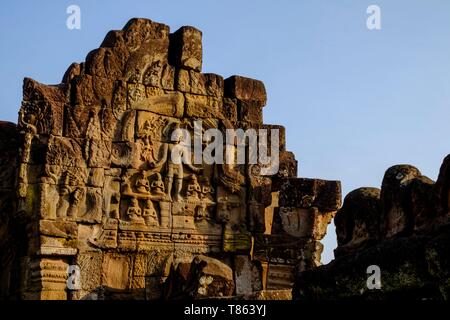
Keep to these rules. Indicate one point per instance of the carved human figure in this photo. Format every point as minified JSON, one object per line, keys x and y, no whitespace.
{"x":149,"y":214}
{"x":202,"y":212}
{"x":70,"y":195}
{"x":147,"y":143}
{"x":93,"y":136}
{"x":193,"y":188}
{"x":227,"y":206}
{"x":207,"y":190}
{"x":77,"y":196}
{"x":126,"y":185}
{"x":134,"y":212}
{"x":157,"y":185}
{"x":175,"y":169}
{"x":224,"y":209}
{"x":63,"y":203}
{"x":142,"y":183}
{"x":28,"y":122}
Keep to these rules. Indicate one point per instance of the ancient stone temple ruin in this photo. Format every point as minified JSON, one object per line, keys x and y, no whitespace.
{"x":94,"y":207}
{"x":403,"y":229}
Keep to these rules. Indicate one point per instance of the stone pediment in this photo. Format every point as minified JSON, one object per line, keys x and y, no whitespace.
{"x":97,"y":187}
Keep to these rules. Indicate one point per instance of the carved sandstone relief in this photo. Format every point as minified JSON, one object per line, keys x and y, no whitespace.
{"x":96,"y":184}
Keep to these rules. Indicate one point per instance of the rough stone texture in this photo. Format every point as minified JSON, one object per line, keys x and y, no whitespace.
{"x":88,"y":180}
{"x":404,"y":229}
{"x":358,"y":221}
{"x":272,"y":295}
{"x":203,"y":277}
{"x":12,"y":225}
{"x":248,"y":275}
{"x":395,"y":199}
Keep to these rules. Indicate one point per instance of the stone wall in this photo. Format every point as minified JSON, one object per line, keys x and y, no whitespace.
{"x":404,"y":229}
{"x":88,"y":181}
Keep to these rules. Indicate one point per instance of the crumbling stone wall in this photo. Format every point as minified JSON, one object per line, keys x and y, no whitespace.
{"x":88,"y":181}
{"x":404,"y":229}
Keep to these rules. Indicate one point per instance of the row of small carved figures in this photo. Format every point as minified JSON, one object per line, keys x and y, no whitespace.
{"x":156,"y":190}
{"x":165,"y":237}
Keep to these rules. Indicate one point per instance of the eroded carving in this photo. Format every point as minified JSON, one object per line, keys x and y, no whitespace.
{"x":106,"y":177}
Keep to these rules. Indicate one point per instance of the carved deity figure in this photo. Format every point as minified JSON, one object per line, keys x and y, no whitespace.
{"x":134,"y":212}
{"x":226,"y":207}
{"x":28,"y":121}
{"x":126,"y":185}
{"x":70,"y":196}
{"x":175,"y":170}
{"x":152,"y":75}
{"x":157,"y":185}
{"x":77,"y":197}
{"x":202,"y":212}
{"x":63,"y":204}
{"x":207,"y":190}
{"x":193,"y":188}
{"x":149,"y":214}
{"x":147,"y":132}
{"x":142,"y":184}
{"x":93,"y":136}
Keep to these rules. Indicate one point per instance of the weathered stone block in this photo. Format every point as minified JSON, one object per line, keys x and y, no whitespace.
{"x":168,"y":77}
{"x":104,"y":63}
{"x":272,"y":128}
{"x":194,"y":82}
{"x":250,"y":111}
{"x":58,"y":229}
{"x":230,"y":109}
{"x":186,"y":48}
{"x":169,"y":103}
{"x":90,"y":264}
{"x":248,"y":275}
{"x":214,"y":85}
{"x":203,"y":106}
{"x":272,"y":295}
{"x":358,"y":221}
{"x":423,"y":197}
{"x":116,"y":271}
{"x":306,"y":193}
{"x":204,"y":277}
{"x":288,"y":169}
{"x":197,"y":83}
{"x":245,"y":89}
{"x":280,"y":276}
{"x":42,"y":110}
{"x":397,"y":217}
{"x":64,"y":152}
{"x":89,"y":123}
{"x":146,"y":64}
{"x":91,"y":91}
{"x":75,"y":69}
{"x":443,"y":188}
{"x":48,"y":278}
{"x":301,"y":222}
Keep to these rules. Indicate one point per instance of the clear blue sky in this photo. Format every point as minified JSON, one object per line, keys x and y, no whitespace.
{"x":353,"y":101}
